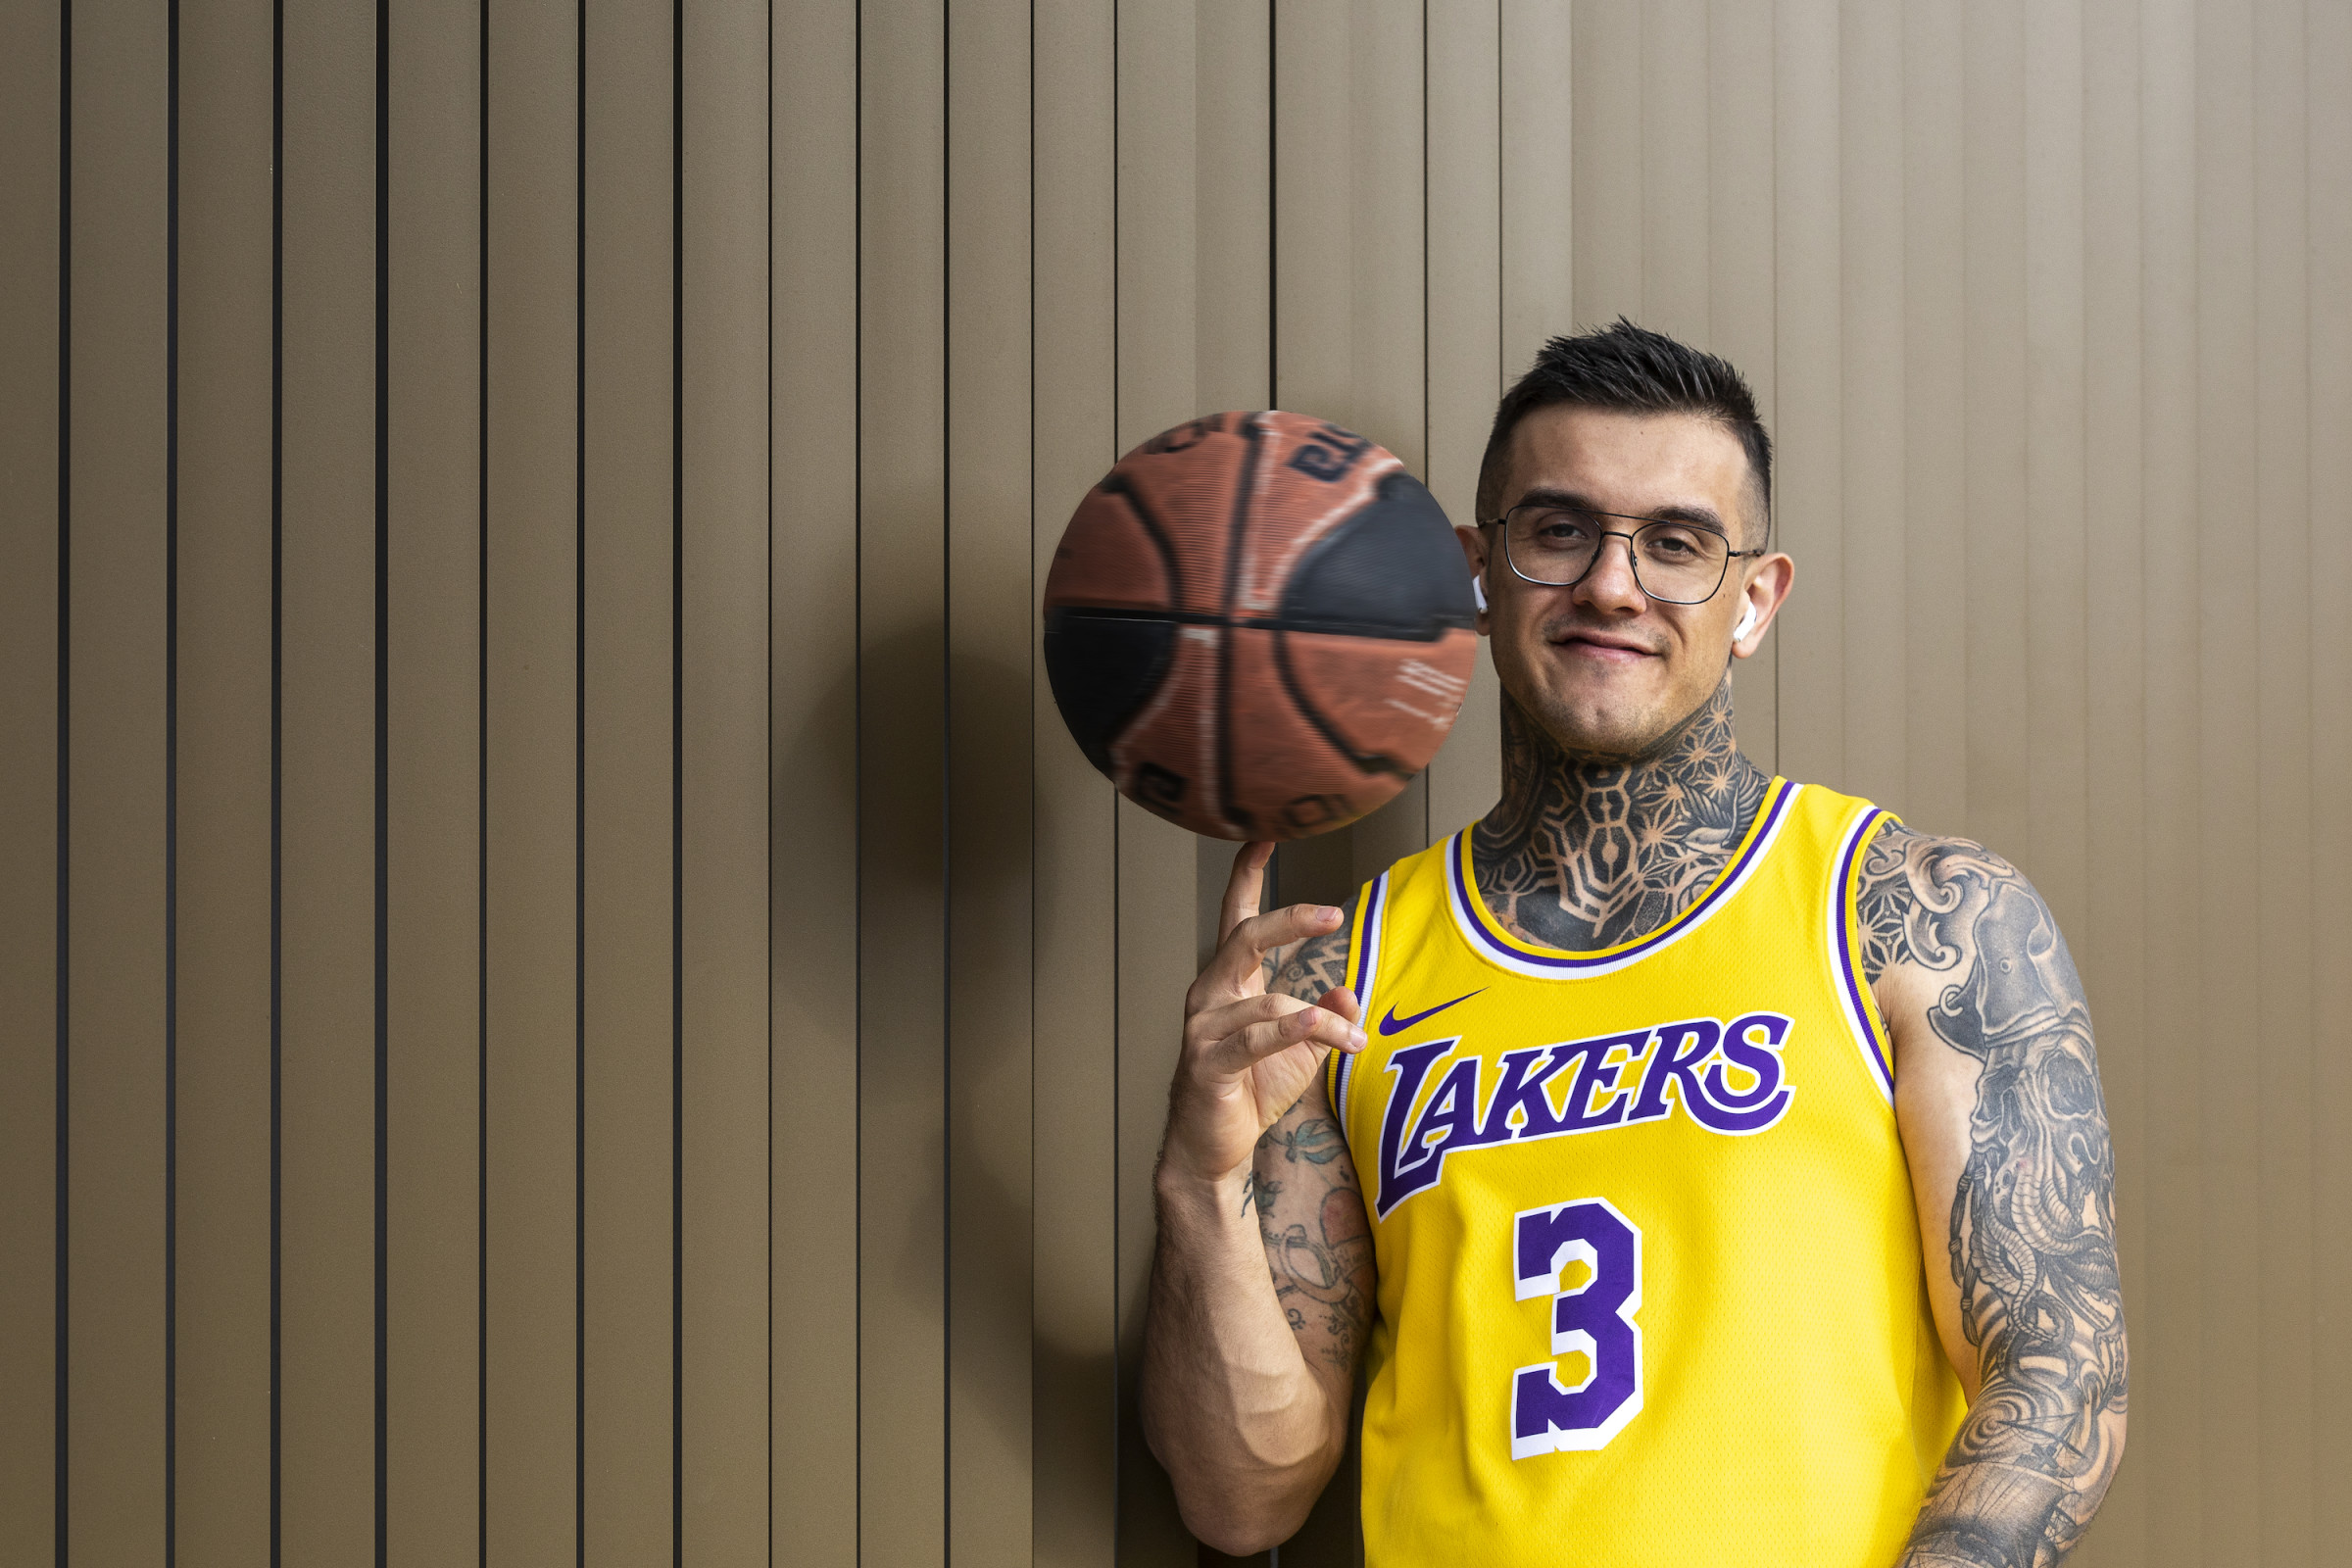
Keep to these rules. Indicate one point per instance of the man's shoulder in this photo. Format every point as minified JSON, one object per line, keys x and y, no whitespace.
{"x":1918,"y":892}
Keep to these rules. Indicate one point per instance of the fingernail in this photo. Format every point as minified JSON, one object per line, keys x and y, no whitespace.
{"x":1356,"y":1038}
{"x":1308,"y":1017}
{"x":1326,"y":913}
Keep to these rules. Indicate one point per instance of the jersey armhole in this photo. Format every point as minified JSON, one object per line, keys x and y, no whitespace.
{"x":1363,"y":969}
{"x":1860,"y":1004}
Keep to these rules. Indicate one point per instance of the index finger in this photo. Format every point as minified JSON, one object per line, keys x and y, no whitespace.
{"x":1246,"y":888}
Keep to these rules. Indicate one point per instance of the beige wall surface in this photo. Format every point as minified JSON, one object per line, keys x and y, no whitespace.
{"x":565,"y":996}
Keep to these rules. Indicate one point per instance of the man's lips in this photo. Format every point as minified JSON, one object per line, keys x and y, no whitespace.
{"x":1605,"y":646}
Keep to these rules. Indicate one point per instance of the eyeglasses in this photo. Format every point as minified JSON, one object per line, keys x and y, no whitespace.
{"x":1675,"y":563}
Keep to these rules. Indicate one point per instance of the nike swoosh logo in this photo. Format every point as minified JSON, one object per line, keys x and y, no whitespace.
{"x":1391,"y":1023}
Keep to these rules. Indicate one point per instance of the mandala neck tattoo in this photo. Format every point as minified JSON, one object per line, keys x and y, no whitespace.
{"x":1588,"y":852}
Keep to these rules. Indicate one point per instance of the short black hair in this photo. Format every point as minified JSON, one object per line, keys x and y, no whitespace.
{"x":1627,"y":369}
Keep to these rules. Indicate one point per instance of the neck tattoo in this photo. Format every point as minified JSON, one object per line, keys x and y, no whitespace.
{"x":1587,"y":851}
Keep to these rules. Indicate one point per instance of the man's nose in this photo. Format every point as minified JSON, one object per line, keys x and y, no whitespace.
{"x":1610,"y":586}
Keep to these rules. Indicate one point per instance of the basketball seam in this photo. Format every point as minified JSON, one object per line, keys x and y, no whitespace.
{"x":1380,"y":631}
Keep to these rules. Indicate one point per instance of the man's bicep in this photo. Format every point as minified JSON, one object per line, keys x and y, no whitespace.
{"x":1997,"y":1091}
{"x":1318,"y":1243}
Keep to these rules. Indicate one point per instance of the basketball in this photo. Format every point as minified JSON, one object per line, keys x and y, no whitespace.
{"x":1259,"y":626}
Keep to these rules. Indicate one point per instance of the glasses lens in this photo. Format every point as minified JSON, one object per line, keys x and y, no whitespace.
{"x":1679,"y":562}
{"x":1552,"y":544}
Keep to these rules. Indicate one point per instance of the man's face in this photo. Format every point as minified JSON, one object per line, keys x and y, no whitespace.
{"x":1602,"y":667}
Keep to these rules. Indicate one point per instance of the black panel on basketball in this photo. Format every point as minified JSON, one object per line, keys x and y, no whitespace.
{"x":1103,"y":668}
{"x":1392,"y":570}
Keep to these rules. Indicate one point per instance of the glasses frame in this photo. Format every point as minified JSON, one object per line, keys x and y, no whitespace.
{"x":1632,"y":560}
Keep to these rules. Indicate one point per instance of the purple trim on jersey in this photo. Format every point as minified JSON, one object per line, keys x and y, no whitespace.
{"x":1360,"y":975}
{"x":1843,"y":927}
{"x":1367,"y":950}
{"x":1758,"y":839}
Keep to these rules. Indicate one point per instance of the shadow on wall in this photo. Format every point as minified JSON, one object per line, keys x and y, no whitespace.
{"x":944,"y":1045}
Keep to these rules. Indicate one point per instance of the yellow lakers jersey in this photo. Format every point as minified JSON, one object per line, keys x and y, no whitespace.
{"x":1651,"y":1287}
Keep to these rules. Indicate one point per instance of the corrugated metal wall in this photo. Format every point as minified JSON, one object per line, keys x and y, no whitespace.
{"x":563,"y":996}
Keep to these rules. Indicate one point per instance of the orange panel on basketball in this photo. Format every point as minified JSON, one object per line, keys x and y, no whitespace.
{"x":1290,"y":778}
{"x":1109,"y":560}
{"x":1378,"y":696}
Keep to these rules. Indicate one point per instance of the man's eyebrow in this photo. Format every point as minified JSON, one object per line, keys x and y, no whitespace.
{"x":1551,"y":496}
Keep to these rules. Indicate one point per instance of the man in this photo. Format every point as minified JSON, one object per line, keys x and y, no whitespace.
{"x":1724,"y":1177}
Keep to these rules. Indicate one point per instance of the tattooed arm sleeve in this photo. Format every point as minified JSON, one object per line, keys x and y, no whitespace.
{"x":1310,"y":1210}
{"x":1997,"y":1091}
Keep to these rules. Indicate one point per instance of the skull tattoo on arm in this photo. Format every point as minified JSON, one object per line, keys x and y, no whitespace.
{"x":2032,"y":1246}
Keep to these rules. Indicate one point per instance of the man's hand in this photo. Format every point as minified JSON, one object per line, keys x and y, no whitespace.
{"x":1249,"y":1053}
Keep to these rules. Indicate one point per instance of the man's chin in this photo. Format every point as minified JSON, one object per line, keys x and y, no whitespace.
{"x":1611,"y":730}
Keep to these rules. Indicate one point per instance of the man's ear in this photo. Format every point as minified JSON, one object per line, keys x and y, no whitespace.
{"x":1474,"y":550}
{"x":1765,"y":593}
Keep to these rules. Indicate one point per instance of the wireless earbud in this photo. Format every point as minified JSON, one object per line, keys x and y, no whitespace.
{"x":1747,"y":623}
{"x":1478,"y":591}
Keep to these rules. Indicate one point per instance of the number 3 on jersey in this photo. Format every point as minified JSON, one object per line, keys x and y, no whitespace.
{"x":1594,"y":1317}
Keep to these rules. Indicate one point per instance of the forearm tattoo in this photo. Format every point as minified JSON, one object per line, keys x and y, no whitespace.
{"x":2032,"y":1230}
{"x":1318,"y":1245}
{"x":1584,"y":852}
{"x":1310,"y":1210}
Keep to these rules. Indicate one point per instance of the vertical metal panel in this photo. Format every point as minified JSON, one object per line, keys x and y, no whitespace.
{"x":1233,"y":178}
{"x":723,"y":751}
{"x":1607,"y":151}
{"x":1740,"y":277}
{"x":1676,"y":127}
{"x":326,"y":1352}
{"x":814,"y":743}
{"x":626,"y":1499}
{"x":1994,"y":290}
{"x":2328,"y":172}
{"x":30,"y":124}
{"x":1808,"y":277}
{"x":1462,"y":233}
{"x":433,"y":858}
{"x":2057,"y":589}
{"x":530,"y":653}
{"x":2279,"y":493}
{"x":2227,"y":717}
{"x":1537,"y":180}
{"x":116,"y":690}
{"x":1073,"y":1486}
{"x":2168,"y":1396}
{"x":901,"y":784}
{"x":1934,"y":516}
{"x":222,"y":1277}
{"x":1158,"y":199}
{"x":2110,"y":941}
{"x":1874,"y":717}
{"x":989,"y":615}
